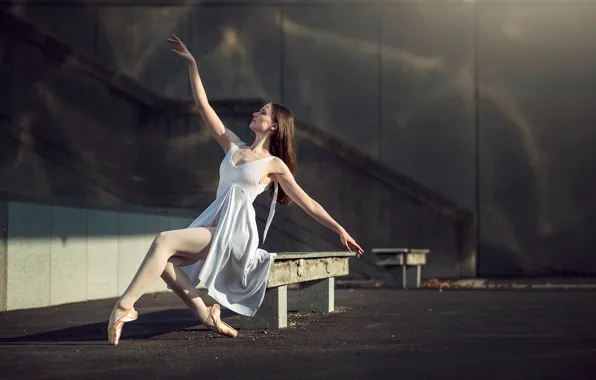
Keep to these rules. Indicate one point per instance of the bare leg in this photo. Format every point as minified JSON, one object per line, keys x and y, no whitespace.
{"x":180,"y":284}
{"x":191,"y":241}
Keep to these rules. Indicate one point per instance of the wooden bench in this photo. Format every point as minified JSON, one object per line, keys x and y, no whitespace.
{"x":314,"y":271}
{"x":402,"y":257}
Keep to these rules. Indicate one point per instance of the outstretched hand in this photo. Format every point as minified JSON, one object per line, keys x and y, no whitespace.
{"x":346,"y":240}
{"x":180,"y":49}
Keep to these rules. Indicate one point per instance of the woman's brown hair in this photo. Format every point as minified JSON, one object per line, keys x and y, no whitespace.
{"x":282,"y":145}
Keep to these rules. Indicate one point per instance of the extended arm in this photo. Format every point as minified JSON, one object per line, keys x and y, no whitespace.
{"x":224,"y":137}
{"x":286,"y":180}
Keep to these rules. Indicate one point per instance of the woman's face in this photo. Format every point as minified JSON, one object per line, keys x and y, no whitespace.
{"x":262,"y":120}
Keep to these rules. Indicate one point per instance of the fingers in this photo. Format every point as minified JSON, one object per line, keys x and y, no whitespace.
{"x":178,"y":45}
{"x":175,"y":40}
{"x":348,"y":247}
{"x":358,"y":253}
{"x":360,"y":250}
{"x":347,"y":240}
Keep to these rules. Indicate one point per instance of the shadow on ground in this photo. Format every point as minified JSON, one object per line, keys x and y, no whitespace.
{"x":151,"y":325}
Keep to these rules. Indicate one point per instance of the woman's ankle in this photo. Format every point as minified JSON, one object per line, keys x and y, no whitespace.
{"x":122,"y":305}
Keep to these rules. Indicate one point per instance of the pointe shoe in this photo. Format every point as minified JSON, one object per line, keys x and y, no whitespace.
{"x":115,"y":330}
{"x":219,"y":325}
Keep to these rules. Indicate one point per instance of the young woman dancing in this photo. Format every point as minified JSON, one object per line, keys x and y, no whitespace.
{"x":220,"y":248}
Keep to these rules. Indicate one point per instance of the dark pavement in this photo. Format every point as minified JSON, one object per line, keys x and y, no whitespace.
{"x":376,"y":333}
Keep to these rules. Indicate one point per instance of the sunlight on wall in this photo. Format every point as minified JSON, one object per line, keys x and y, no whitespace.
{"x":356,"y":46}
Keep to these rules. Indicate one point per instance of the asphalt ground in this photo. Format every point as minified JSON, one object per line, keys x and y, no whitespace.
{"x":374,"y":333}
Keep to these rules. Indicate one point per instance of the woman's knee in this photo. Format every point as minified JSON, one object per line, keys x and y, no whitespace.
{"x":163,"y":240}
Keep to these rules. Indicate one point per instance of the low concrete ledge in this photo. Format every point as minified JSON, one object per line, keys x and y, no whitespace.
{"x":402,"y":257}
{"x":315,"y":271}
{"x":296,"y":267}
{"x":312,"y":255}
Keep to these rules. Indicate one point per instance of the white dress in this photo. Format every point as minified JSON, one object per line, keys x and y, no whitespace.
{"x":236,"y":271}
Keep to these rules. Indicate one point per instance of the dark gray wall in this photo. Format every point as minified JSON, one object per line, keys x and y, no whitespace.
{"x":536,"y":99}
{"x":487,"y":103}
{"x":78,"y":134}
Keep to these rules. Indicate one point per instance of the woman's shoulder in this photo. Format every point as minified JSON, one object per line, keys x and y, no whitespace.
{"x":276,"y":160}
{"x":277,"y":164}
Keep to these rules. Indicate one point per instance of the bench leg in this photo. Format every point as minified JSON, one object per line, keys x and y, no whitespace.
{"x":403,"y":280}
{"x":273,"y":313}
{"x":418,"y":276}
{"x":317,"y":296}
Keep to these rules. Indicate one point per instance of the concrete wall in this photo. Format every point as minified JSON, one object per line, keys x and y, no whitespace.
{"x":83,"y":136}
{"x":487,"y":103}
{"x":536,"y":91}
{"x":56,"y":255}
{"x":384,"y":78}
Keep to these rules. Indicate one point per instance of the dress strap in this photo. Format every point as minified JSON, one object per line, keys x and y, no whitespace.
{"x":271,"y":211}
{"x":235,"y":147}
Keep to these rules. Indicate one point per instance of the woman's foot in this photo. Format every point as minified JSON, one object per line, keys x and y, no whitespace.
{"x":117,"y":319}
{"x":214,"y":322}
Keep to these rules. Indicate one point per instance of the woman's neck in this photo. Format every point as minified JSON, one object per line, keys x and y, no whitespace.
{"x":261,"y":143}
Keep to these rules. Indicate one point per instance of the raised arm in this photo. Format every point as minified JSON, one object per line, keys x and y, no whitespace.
{"x":224,"y":137}
{"x":281,"y":173}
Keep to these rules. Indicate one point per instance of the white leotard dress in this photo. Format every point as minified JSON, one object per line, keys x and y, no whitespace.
{"x":236,"y":271}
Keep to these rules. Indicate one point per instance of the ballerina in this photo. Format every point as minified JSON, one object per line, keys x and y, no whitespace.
{"x":220,"y":248}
